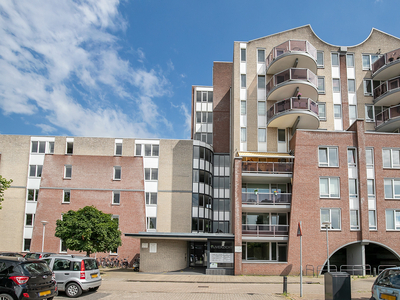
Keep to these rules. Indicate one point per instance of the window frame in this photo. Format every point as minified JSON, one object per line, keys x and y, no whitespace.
{"x":258,"y":56}
{"x":334,"y":89}
{"x":152,"y":172}
{"x":373,"y":227}
{"x":65,"y":193}
{"x":115,"y":172}
{"x":354,"y":155}
{"x":37,"y":171}
{"x":396,"y":225}
{"x":243,"y":55}
{"x":328,"y":156}
{"x":370,"y":62}
{"x":243,"y":107}
{"x":338,"y":59}
{"x":322,"y":104}
{"x":321,"y":91}
{"x":353,"y":90}
{"x":347,"y":60}
{"x":243,"y":81}
{"x":356,"y":227}
{"x":32,"y":220}
{"x":69,"y":148}
{"x":149,"y":198}
{"x":262,"y":132}
{"x":393,"y":188}
{"x":339,"y":116}
{"x":321,"y":66}
{"x":149,"y":221}
{"x":243,"y":135}
{"x":117,"y":147}
{"x":329,"y":195}
{"x":35,"y":195}
{"x":114,"y":194}
{"x":392,"y":165}
{"x":330,"y":209}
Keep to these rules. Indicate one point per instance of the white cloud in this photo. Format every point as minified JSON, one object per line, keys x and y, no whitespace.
{"x":61,"y":58}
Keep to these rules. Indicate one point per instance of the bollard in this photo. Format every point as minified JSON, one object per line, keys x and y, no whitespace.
{"x":374,"y":272}
{"x":284,"y":284}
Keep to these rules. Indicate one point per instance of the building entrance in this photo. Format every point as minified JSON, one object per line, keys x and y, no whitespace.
{"x":197,"y":254}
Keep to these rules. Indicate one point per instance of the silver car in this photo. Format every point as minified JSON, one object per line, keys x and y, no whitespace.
{"x":74,"y":274}
{"x":387,"y":285}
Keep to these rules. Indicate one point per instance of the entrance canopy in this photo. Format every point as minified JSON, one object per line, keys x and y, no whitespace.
{"x":181,"y":236}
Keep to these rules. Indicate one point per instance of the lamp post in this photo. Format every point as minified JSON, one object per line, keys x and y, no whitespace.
{"x":44,"y":230}
{"x":327,"y":225}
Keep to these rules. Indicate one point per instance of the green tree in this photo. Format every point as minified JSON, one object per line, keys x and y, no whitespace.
{"x":4,"y":184}
{"x":89,"y":230}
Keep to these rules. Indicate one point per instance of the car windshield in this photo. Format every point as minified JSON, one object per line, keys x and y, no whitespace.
{"x":390,"y":278}
{"x":90,"y":264}
{"x":32,"y":255}
{"x":35,"y":268}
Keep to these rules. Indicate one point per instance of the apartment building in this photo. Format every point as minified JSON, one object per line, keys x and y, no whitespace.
{"x":295,"y":135}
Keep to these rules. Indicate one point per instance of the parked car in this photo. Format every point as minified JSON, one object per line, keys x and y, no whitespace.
{"x":15,"y":254}
{"x":387,"y":285}
{"x":26,"y":279}
{"x":37,"y":255}
{"x":74,"y":274}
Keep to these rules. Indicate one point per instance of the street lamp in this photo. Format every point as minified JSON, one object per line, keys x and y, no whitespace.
{"x":44,"y":230}
{"x":327,"y":225}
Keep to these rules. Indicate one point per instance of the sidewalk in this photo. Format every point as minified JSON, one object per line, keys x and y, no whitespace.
{"x":313,"y":287}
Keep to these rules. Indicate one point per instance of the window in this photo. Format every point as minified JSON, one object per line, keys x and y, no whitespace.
{"x":336,"y":85}
{"x":372,"y":219}
{"x":61,"y":264}
{"x":35,"y":170}
{"x":321,"y":85}
{"x":331,"y":215}
{"x":243,"y":55}
{"x":155,"y":148}
{"x":261,"y":108}
{"x":243,"y":138}
{"x":70,"y":147}
{"x":151,"y":198}
{"x":353,"y":190}
{"x":261,"y":82}
{"x":151,"y":223}
{"x":201,"y":117}
{"x":369,"y":153}
{"x":29,"y":219}
{"x":117,"y":173}
{"x":369,"y":113}
{"x":116,"y":197}
{"x":243,"y":108}
{"x":322,"y":110}
{"x":138,"y":150}
{"x":392,"y":188}
{"x":281,"y":135}
{"x":335,"y":59}
{"x":368,"y":60}
{"x":354,"y":223}
{"x":51,"y":147}
{"x":67,"y":171}
{"x":33,"y":195}
{"x":27,"y":245}
{"x":63,"y":247}
{"x":369,"y":86}
{"x":243,"y":81}
{"x":261,"y":55}
{"x":38,"y":147}
{"x":264,"y":251}
{"x":353,"y":112}
{"x":210,"y":96}
{"x":391,"y":158}
{"x":350,"y":60}
{"x":118,"y":148}
{"x":150,"y":174}
{"x":67,"y":196}
{"x":392,"y":219}
{"x":351,"y":157}
{"x":329,"y":187}
{"x":328,"y":157}
{"x":261,"y":135}
{"x":351,"y":85}
{"x":320,"y":59}
{"x":371,"y":187}
{"x":337,"y":111}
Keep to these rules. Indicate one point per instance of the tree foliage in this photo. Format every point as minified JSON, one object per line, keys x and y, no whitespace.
{"x":89,"y":230}
{"x":4,"y":184}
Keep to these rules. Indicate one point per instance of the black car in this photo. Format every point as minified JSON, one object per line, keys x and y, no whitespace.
{"x":37,"y":255}
{"x":26,"y":279}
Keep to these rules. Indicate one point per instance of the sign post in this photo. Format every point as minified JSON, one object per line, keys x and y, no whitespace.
{"x":300,"y":234}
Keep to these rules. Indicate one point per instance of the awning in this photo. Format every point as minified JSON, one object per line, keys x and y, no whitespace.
{"x":265,"y":154}
{"x":181,"y":236}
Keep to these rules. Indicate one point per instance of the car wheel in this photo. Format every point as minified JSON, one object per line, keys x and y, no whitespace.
{"x":73,"y":290}
{"x":94,"y":289}
{"x":6,"y":297}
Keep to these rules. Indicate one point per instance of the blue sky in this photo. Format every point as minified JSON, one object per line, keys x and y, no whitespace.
{"x":125,"y":68}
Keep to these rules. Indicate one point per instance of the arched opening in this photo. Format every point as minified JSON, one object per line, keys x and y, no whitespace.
{"x":351,"y":258}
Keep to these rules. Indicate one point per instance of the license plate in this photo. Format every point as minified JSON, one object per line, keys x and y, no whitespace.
{"x":388,"y":297}
{"x":94,"y":275}
{"x":45,"y":293}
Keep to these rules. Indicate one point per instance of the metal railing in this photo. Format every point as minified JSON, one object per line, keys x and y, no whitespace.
{"x":293,"y":103}
{"x":388,"y":114}
{"x":387,"y":86}
{"x":321,"y":268}
{"x":291,"y":46}
{"x":267,"y":167}
{"x":292,"y":74}
{"x":385,"y":59}
{"x":265,"y":230}
{"x":310,"y":268}
{"x":355,"y":268}
{"x":266,"y":198}
{"x":383,"y":267}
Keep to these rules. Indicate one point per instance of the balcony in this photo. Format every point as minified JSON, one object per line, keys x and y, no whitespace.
{"x":266,"y":198}
{"x":291,"y":82}
{"x":263,"y":167}
{"x":261,"y":230}
{"x":284,"y":113}
{"x":387,"y":94}
{"x":292,"y":53}
{"x":388,"y":120}
{"x":387,"y":66}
